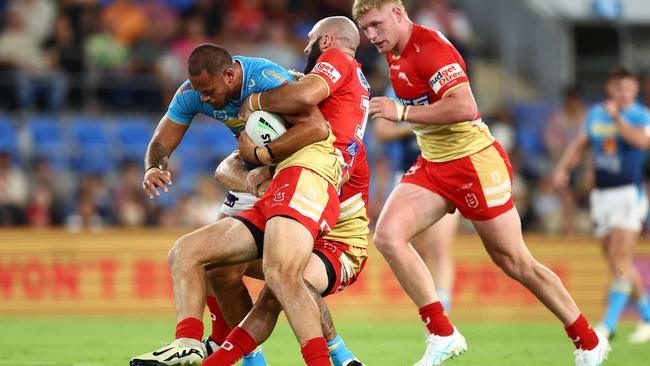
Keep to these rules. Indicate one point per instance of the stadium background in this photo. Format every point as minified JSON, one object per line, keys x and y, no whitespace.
{"x":84,"y":83}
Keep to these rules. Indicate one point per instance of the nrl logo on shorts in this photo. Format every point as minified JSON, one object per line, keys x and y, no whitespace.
{"x":471,"y":200}
{"x":279,"y":194}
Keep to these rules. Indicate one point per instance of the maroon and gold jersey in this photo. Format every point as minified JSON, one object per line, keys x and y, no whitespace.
{"x":427,"y":68}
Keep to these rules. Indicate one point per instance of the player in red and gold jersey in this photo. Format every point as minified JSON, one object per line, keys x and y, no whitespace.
{"x":337,"y":86}
{"x":460,"y":167}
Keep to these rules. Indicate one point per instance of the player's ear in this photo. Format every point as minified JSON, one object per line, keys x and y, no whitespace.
{"x":326,"y":41}
{"x":229,"y":75}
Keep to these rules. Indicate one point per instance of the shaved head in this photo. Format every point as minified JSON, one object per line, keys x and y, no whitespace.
{"x":343,"y":30}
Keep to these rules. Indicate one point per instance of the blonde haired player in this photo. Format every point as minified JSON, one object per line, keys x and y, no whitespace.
{"x":461,"y":167}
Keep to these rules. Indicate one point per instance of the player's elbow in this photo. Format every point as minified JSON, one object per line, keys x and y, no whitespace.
{"x":308,"y":98}
{"x":467,"y":110}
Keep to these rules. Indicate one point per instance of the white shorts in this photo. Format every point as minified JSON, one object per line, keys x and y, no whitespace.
{"x":623,"y":207}
{"x":237,"y":202}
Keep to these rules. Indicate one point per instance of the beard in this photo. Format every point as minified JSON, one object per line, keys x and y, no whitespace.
{"x":313,"y":55}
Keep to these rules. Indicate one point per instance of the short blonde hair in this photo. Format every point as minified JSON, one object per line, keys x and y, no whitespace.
{"x":361,"y":7}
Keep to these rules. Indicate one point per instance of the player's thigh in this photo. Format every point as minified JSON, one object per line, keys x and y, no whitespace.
{"x":408,"y":211}
{"x":225,"y":242}
{"x":502,"y":238}
{"x":287,"y":246}
{"x":316,"y":273}
{"x":438,"y":238}
{"x":623,"y":242}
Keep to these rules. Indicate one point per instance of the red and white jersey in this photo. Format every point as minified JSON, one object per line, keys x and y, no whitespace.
{"x":428,"y":67}
{"x":346,"y":110}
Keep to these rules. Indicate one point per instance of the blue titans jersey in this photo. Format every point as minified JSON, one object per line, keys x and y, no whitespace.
{"x":259,"y":75}
{"x":616,"y":162}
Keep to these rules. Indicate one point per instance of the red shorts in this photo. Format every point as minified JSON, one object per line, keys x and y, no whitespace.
{"x":342,"y":262}
{"x":297,"y":193}
{"x":478,"y":185}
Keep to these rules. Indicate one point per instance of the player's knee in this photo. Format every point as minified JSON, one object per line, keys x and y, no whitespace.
{"x":281,"y":279}
{"x":516,"y":267}
{"x":180,"y":253}
{"x":385,"y":241}
{"x":268,"y":303}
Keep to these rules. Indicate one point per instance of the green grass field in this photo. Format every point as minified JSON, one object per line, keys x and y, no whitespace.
{"x":112,"y":341}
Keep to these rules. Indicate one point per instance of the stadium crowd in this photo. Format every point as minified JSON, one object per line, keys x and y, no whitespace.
{"x":108,"y":64}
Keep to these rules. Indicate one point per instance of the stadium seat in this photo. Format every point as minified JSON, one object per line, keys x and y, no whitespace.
{"x":133,"y":135}
{"x":8,"y":136}
{"x":216,"y":140}
{"x":92,"y":152}
{"x":49,"y":141}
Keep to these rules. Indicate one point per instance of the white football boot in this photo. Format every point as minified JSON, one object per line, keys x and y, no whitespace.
{"x":596,"y":356}
{"x":440,"y":348}
{"x":641,"y":333}
{"x":181,"y":352}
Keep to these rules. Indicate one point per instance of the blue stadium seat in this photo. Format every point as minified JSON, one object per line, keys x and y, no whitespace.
{"x":92,"y":152}
{"x":49,"y":141}
{"x":133,"y":135}
{"x":216,"y":140}
{"x":8,"y":136}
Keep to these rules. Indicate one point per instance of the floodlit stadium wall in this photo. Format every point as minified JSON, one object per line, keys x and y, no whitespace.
{"x":125,"y":272}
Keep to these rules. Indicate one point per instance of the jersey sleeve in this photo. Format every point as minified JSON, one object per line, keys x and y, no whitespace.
{"x":333,"y":67}
{"x":440,"y":63}
{"x":185,"y":105}
{"x":641,"y":118}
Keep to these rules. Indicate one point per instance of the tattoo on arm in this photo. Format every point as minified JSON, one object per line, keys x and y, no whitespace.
{"x":157,"y":156}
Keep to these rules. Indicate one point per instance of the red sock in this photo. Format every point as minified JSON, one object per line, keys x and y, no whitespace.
{"x":581,"y":334}
{"x":435,"y":318}
{"x":315,"y":352}
{"x":238,"y":344}
{"x":220,"y":328}
{"x":189,"y":328}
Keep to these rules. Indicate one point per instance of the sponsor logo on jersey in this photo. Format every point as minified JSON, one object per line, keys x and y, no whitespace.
{"x":413,"y":169}
{"x":362,"y":80}
{"x":251,"y":83}
{"x":328,"y":70}
{"x":185,"y":88}
{"x":395,"y":67}
{"x":421,"y":100}
{"x":417,"y":47}
{"x":446,"y":75}
{"x":402,"y":76}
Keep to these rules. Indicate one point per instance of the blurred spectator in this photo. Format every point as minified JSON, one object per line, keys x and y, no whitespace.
{"x":48,"y":190}
{"x":277,"y":46}
{"x":40,"y":211}
{"x":502,"y":128}
{"x":37,"y":16}
{"x":126,"y":20}
{"x":203,"y":208}
{"x":451,"y":21}
{"x":13,"y":191}
{"x":562,"y":126}
{"x":66,"y":56}
{"x":128,"y":200}
{"x":247,"y":19}
{"x":85,"y":216}
{"x":21,"y":54}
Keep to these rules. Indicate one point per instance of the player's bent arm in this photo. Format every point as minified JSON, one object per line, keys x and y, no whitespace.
{"x":638,"y":137}
{"x":456,"y":105}
{"x":307,"y":128}
{"x":232,"y":173}
{"x":569,"y":160}
{"x":386,"y":131}
{"x":165,"y":139}
{"x":294,"y":97}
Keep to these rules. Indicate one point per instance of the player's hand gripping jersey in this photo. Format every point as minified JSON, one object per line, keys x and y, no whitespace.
{"x":428,"y":67}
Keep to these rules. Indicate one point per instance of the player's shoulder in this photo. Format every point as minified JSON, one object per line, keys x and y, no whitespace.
{"x":256,"y":63}
{"x":429,"y":38}
{"x":335,"y":53}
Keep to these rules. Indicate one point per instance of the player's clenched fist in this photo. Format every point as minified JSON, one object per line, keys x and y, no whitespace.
{"x":155,"y":178}
{"x":386,"y":108}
